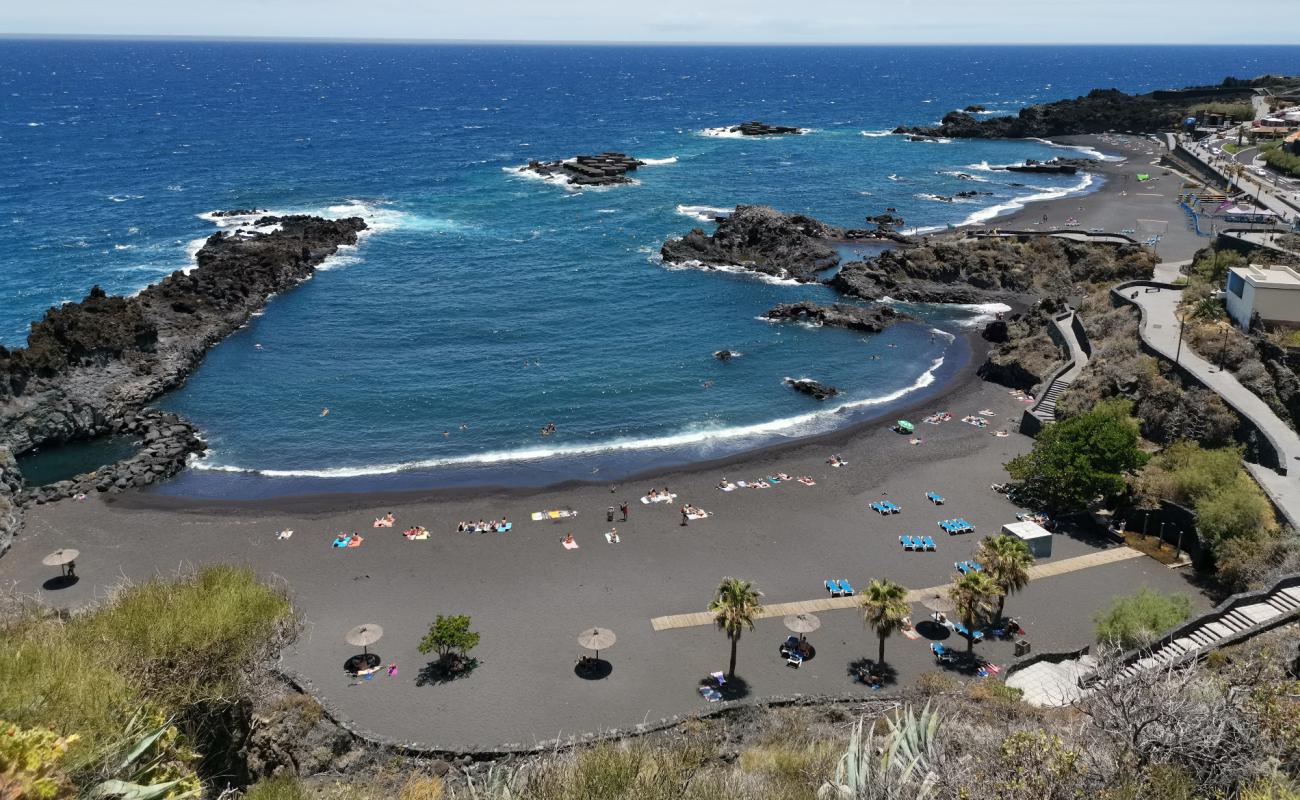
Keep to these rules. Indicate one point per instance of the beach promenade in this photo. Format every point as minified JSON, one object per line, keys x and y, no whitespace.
{"x":1160,"y":329}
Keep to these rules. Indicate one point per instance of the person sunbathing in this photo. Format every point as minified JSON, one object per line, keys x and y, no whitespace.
{"x":722,"y":484}
{"x":504,"y":523}
{"x":568,"y":538}
{"x":461,"y":527}
{"x":482,"y":526}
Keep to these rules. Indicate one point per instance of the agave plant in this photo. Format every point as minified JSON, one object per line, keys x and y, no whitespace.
{"x":496,"y":784}
{"x":896,"y":766}
{"x":137,"y":773}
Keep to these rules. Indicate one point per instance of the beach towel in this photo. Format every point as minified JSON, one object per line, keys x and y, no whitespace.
{"x":611,"y":537}
{"x":538,"y":516}
{"x":663,"y":498}
{"x":911,"y":633}
{"x":418,"y":536}
{"x":284,"y":534}
{"x":699,"y":515}
{"x":506,"y":528}
{"x":984,"y":412}
{"x":356,"y":541}
{"x":382,"y":523}
{"x":807,"y":481}
{"x":757,"y":485}
{"x":569,"y":545}
{"x":727,"y":487}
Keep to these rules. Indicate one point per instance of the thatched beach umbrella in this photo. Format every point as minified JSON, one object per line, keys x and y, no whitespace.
{"x":597,"y":639}
{"x":802,"y":623}
{"x":939,"y":602}
{"x":62,"y":559}
{"x":363,"y":636}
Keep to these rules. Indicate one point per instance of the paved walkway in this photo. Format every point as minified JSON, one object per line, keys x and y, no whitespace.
{"x":1036,"y":572}
{"x":1160,"y":330}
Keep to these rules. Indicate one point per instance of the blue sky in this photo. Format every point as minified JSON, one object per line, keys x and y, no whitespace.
{"x":687,"y":21}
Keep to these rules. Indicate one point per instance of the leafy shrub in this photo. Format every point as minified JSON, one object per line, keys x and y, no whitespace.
{"x":280,"y":787}
{"x":1138,"y":619}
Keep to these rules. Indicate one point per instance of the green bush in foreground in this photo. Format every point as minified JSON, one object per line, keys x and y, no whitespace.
{"x":1137,"y":619}
{"x":281,"y":787}
{"x":164,"y":649}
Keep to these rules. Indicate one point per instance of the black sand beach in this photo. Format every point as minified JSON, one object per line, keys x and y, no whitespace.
{"x":530,"y":597}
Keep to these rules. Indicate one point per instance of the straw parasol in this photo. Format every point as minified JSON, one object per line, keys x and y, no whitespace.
{"x":802,"y":623}
{"x":61,"y":558}
{"x":363,"y":636}
{"x":938,"y":602}
{"x":597,"y":639}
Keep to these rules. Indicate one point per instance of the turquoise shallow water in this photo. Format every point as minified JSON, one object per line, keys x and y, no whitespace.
{"x":486,"y":304}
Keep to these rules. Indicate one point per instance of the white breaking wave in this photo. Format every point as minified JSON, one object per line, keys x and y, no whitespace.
{"x":801,"y":425}
{"x":778,"y":280}
{"x":703,"y":213}
{"x":986,"y":214}
{"x":965,"y":176}
{"x":879,"y":133}
{"x":1091,"y":152}
{"x":981,"y":312}
{"x":655,"y":162}
{"x":727,"y":133}
{"x":985,"y":166}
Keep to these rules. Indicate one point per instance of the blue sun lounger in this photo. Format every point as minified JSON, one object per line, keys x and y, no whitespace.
{"x":962,"y":630}
{"x":929,"y":543}
{"x":890,"y":507}
{"x":879,"y":508}
{"x":906,"y":542}
{"x":934,"y":498}
{"x":846,"y":588}
{"x":833,"y":588}
{"x":505,"y":528}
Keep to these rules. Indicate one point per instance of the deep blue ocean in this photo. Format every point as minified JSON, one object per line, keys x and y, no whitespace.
{"x":485,"y":304}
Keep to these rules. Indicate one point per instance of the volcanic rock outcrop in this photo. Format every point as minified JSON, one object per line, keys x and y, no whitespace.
{"x":873,"y":319}
{"x":814,"y":389}
{"x":756,"y":128}
{"x":90,"y":367}
{"x":605,"y":169}
{"x":764,"y":240}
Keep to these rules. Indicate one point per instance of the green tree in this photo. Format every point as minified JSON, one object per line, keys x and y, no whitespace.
{"x":1136,"y":620}
{"x":1007,"y":560}
{"x":735,"y":608}
{"x":884,"y":606}
{"x":451,"y":638}
{"x":973,"y":594}
{"x":1076,"y":460}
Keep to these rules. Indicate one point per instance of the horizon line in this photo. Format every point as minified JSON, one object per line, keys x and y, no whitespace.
{"x":253,"y":38}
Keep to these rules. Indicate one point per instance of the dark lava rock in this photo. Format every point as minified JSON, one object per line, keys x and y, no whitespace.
{"x":89,"y":367}
{"x":1099,"y":111}
{"x":1057,"y":166}
{"x":724,"y":355}
{"x":605,"y":169}
{"x":871,"y":319}
{"x":974,"y":108}
{"x":239,"y":212}
{"x":812,"y":388}
{"x":996,"y":332}
{"x":761,"y":239}
{"x":756,"y":128}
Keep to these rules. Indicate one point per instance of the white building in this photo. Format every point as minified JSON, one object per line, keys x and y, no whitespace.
{"x":1036,"y":536}
{"x":1271,"y":291}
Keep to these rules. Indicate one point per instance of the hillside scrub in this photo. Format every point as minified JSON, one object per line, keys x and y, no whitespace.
{"x":185,"y":650}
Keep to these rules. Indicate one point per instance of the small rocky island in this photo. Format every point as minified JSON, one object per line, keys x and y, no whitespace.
{"x":814,"y":389}
{"x":764,"y":240}
{"x":873,"y":319}
{"x":1056,"y":166}
{"x":605,"y":169}
{"x":756,"y":128}
{"x":90,"y":367}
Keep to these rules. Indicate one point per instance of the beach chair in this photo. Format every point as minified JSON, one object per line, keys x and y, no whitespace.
{"x":934,"y":498}
{"x":961,"y":630}
{"x":793,"y":660}
{"x":929,"y":544}
{"x":506,"y":528}
{"x":893,"y":507}
{"x":906,"y":542}
{"x":960,"y":566}
{"x":974,"y":566}
{"x":790,"y":644}
{"x":833,"y":588}
{"x":710,"y":694}
{"x":876,"y":507}
{"x":846,"y":588}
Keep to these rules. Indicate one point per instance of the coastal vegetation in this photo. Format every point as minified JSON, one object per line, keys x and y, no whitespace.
{"x":884,"y":609}
{"x":735,"y":607}
{"x":171,"y":664}
{"x":1007,"y":560}
{"x":974,"y":595}
{"x":1081,"y":459}
{"x":1283,"y":161}
{"x":1137,"y":619}
{"x":450,"y":639}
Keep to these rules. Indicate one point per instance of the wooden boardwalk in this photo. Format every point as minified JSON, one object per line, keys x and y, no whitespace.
{"x":1036,"y":572}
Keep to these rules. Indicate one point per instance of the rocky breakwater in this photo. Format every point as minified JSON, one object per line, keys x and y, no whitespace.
{"x":605,"y":169}
{"x":90,"y":367}
{"x":763,"y":240}
{"x":873,"y":319}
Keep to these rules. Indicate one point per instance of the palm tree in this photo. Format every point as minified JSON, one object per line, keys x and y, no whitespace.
{"x":973,"y":595}
{"x":735,"y":609}
{"x":884,"y":608}
{"x":1007,"y":560}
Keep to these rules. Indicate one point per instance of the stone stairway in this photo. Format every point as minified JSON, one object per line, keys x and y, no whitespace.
{"x":1271,"y":608}
{"x":1045,"y":408}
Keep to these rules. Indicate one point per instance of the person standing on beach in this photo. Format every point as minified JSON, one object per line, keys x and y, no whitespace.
{"x":623,"y":507}
{"x":685,"y":516}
